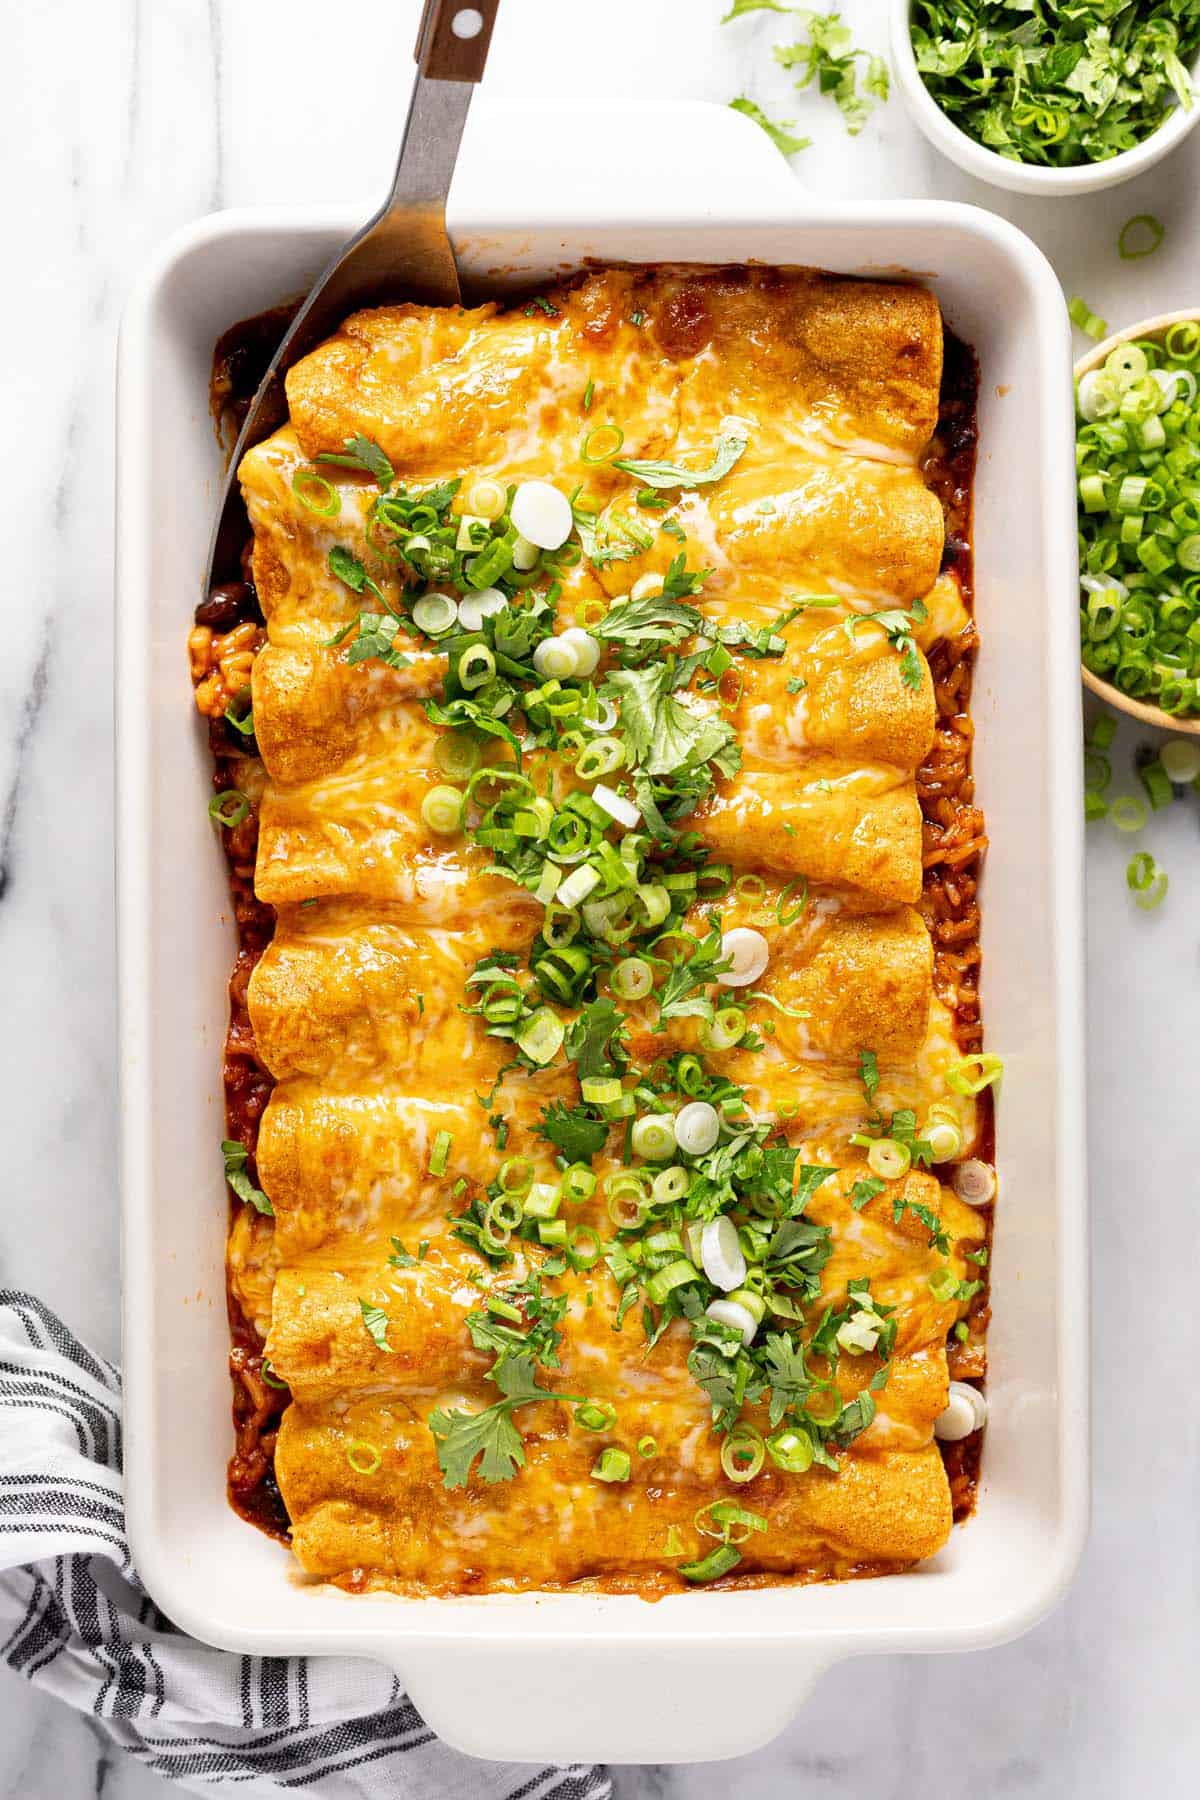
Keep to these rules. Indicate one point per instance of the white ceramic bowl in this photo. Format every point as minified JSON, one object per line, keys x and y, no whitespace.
{"x":578,"y":1675}
{"x":1001,"y":171}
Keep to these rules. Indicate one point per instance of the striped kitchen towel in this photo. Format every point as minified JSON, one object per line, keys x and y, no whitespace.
{"x":75,"y":1619}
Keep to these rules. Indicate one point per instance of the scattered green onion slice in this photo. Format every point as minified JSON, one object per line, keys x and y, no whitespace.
{"x":434,"y":614}
{"x":974,"y":1073}
{"x":888,"y":1159}
{"x":363,"y":1458}
{"x":647,"y":1447}
{"x":270,"y":1377}
{"x":1146,"y":881}
{"x":719,"y":1561}
{"x":1127,"y":812}
{"x":743,"y":1452}
{"x":442,"y":810}
{"x":316,"y":494}
{"x":440,"y":1155}
{"x":1180,"y":758}
{"x":1087,"y":321}
{"x":1140,"y":236}
{"x":457,"y":755}
{"x":596,"y":1415}
{"x":600,"y":444}
{"x":1157,"y":783}
{"x":228,"y":808}
{"x":541,"y":1036}
{"x":791,"y":1450}
{"x":632,"y":979}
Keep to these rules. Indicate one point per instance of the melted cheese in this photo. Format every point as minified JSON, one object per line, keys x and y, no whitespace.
{"x":360,"y":1005}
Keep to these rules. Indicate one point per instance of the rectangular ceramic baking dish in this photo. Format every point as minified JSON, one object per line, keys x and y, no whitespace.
{"x":594,"y":1676}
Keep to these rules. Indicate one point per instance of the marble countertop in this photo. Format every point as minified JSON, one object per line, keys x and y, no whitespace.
{"x":125,"y":121}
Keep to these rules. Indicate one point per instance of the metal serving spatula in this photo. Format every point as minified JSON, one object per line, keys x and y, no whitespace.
{"x":403,"y":253}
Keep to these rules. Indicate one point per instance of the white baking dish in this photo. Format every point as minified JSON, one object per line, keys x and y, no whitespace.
{"x":576,"y":1676}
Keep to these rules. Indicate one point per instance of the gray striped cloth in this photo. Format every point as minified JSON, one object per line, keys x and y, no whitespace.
{"x":75,"y":1619}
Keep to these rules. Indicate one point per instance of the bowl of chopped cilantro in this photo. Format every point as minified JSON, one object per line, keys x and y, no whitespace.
{"x":1137,"y":436}
{"x":1050,"y":96}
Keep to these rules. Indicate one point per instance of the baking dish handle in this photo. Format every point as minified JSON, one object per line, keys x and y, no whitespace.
{"x":578,"y":1701}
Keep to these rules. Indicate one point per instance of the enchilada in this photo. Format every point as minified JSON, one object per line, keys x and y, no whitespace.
{"x":620,"y":1030}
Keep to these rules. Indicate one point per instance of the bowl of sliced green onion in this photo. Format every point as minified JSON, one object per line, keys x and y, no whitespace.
{"x":1049,"y":99}
{"x":1137,"y":459}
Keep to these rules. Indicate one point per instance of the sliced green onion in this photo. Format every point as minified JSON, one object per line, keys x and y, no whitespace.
{"x":1157,"y":783}
{"x":654,"y":1137}
{"x":457,"y":755}
{"x":228,"y":808}
{"x":1140,"y":236}
{"x":316,"y":494}
{"x":440,"y":1155}
{"x":434,"y":614}
{"x":743,"y":1452}
{"x":974,"y":1073}
{"x":603,"y":756}
{"x":670,"y":1185}
{"x":1094,"y":807}
{"x":543,"y":1200}
{"x":1087,"y":321}
{"x":442,"y":810}
{"x":600,"y":444}
{"x":787,"y":915}
{"x":632,"y":979}
{"x":1127,"y":812}
{"x":665,"y":1281}
{"x":475,"y":666}
{"x":647,"y":1447}
{"x":504,"y":1212}
{"x":363,"y":1458}
{"x":578,"y":1183}
{"x":943,"y":1285}
{"x":888,"y":1159}
{"x":596,"y":1415}
{"x":240,"y":713}
{"x":612,"y":1465}
{"x":1146,"y":881}
{"x":270,"y":1377}
{"x":600,"y":1090}
{"x":791,"y":1450}
{"x":1180,"y":757}
{"x":708,"y":1568}
{"x":584,"y":1248}
{"x":724,"y":1030}
{"x":541,"y":1036}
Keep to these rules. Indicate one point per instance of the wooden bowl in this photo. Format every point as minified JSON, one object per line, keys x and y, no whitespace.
{"x":1136,"y":709}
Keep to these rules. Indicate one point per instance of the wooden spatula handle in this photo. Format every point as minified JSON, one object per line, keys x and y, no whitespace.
{"x":452,"y":43}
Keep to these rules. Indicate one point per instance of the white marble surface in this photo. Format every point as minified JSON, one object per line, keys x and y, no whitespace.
{"x":124,"y":120}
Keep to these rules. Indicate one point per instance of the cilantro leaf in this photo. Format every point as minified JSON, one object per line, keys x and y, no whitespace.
{"x":868,"y":1072}
{"x":938,"y":1237}
{"x":780,"y":134}
{"x":489,"y":1435}
{"x":235,"y":1155}
{"x":400,"y":1258}
{"x":645,"y":624}
{"x":730,"y":448}
{"x":865,"y":1190}
{"x":573,"y":1130}
{"x":662,"y":734}
{"x":365,"y":456}
{"x":897,"y":625}
{"x":594,"y":1040}
{"x":346,"y":566}
{"x":376,"y":1322}
{"x":376,"y":639}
